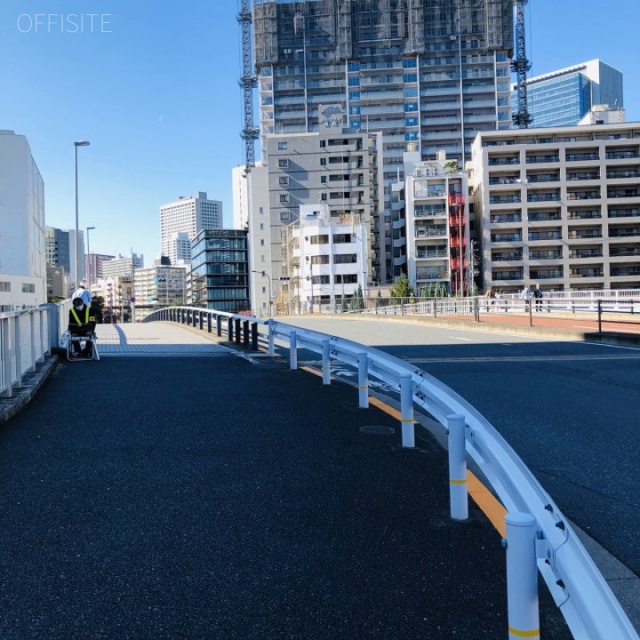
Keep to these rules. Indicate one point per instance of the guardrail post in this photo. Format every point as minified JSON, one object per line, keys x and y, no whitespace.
{"x":208,"y":323}
{"x":201,"y":319}
{"x":254,"y":336}
{"x":293,"y":350}
{"x":6,"y":344}
{"x":245,"y":333}
{"x":326,"y":362}
{"x":238,"y":332}
{"x":230,"y":329}
{"x":476,"y":309}
{"x":531,"y":312}
{"x":272,"y":347}
{"x":406,"y":412}
{"x":458,"y":491}
{"x":363,"y":381}
{"x":219,"y":326}
{"x":600,"y":316}
{"x":522,"y":577}
{"x":194,"y":316}
{"x":17,"y":349}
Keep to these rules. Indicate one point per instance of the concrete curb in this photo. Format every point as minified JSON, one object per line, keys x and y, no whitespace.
{"x":30,"y":385}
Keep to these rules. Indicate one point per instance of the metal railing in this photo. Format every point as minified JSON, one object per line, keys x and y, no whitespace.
{"x":25,"y":339}
{"x":576,"y":585}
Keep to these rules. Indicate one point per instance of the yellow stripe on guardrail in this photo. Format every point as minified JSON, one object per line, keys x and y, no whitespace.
{"x":524,"y":634}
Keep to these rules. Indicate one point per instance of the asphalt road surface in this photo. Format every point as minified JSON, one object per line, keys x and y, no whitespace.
{"x":569,"y":409}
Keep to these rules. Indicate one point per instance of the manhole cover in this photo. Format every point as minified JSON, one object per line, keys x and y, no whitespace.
{"x":377,"y":430}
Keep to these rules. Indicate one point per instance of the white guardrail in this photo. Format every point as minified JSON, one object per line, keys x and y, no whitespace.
{"x":26,"y":337}
{"x":578,"y":588}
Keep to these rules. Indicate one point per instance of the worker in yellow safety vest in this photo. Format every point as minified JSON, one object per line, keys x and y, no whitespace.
{"x":82,"y":322}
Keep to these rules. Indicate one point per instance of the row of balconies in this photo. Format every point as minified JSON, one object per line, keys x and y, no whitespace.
{"x":570,"y":156}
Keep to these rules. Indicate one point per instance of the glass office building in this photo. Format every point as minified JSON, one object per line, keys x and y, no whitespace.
{"x":564,"y":97}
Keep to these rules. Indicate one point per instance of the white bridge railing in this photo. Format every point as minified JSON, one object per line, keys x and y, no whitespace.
{"x":575,"y":583}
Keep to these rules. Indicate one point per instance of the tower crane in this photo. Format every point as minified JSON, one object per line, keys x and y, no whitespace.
{"x":247,"y":82}
{"x":520,"y":65}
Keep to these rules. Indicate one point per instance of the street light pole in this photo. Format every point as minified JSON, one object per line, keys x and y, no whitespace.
{"x":79,"y":143}
{"x":89,"y":259}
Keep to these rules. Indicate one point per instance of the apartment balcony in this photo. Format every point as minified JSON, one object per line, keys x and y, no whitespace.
{"x":543,"y":197}
{"x":583,"y":175}
{"x":546,"y":274}
{"x":593,"y":194}
{"x":618,"y":174}
{"x":586,"y":253}
{"x":586,"y":156}
{"x":542,"y":159}
{"x":498,"y":218}
{"x":545,"y":254}
{"x":495,"y":162}
{"x":621,"y":192}
{"x":533,"y":178}
{"x":622,"y":154}
{"x":431,"y":232}
{"x":626,"y":271}
{"x":509,"y":256}
{"x":584,"y":234}
{"x":587,"y":214}
{"x":587,"y":272}
{"x":506,"y":199}
{"x":507,"y":237}
{"x":544,"y":216}
{"x":628,"y":212}
{"x":535,"y":236}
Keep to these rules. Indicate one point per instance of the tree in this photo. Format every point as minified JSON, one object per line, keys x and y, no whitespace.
{"x":357,"y":303}
{"x":401,"y":289}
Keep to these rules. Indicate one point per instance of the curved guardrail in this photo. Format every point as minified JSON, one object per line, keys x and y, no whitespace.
{"x":577,"y":586}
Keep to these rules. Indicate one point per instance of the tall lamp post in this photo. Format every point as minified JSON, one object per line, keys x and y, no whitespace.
{"x":268,"y":277}
{"x":79,"y":143}
{"x":89,"y":259}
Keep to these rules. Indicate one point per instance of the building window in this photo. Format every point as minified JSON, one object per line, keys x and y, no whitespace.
{"x":5,"y":286}
{"x":283,"y":163}
{"x":345,"y":258}
{"x":28,"y":288}
{"x":282,"y":145}
{"x":283,"y":180}
{"x":285,"y":216}
{"x":284,"y":198}
{"x":323,"y":162}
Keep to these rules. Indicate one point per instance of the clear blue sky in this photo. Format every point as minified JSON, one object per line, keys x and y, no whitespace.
{"x":155,"y":89}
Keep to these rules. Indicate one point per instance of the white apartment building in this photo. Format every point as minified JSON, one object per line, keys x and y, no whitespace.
{"x":157,"y":287}
{"x":327,"y":261}
{"x":23,"y":275}
{"x":433,"y":199}
{"x":559,"y":207}
{"x":188,"y":215}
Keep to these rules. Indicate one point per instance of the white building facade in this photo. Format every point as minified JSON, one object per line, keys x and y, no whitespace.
{"x":559,"y":207}
{"x":23,"y":275}
{"x":327,"y":259}
{"x":437,"y":226}
{"x":188,"y":215}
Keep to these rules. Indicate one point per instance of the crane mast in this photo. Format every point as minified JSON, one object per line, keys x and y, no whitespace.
{"x":247,"y":82}
{"x":520,"y":65}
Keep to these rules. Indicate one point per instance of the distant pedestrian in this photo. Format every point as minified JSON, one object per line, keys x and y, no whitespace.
{"x":490,"y":295}
{"x":537,"y":294}
{"x":526,"y":295}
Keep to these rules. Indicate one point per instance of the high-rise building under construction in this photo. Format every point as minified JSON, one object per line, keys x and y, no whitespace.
{"x":428,"y":74}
